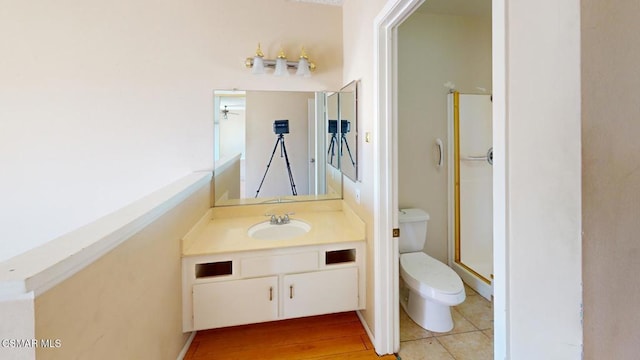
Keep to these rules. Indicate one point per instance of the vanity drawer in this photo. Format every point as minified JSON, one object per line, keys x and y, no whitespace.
{"x":278,"y":264}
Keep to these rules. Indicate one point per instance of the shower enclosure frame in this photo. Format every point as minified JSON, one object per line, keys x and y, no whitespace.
{"x":475,"y":280}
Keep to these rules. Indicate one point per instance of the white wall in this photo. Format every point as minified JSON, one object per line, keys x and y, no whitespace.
{"x":358,"y":19}
{"x":232,"y":140}
{"x":544,"y":294}
{"x":94,"y":107}
{"x":434,"y":49}
{"x":104,"y":102}
{"x":18,"y":322}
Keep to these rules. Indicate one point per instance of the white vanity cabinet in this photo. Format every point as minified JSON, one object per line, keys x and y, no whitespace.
{"x":255,"y":286}
{"x":320,"y":292}
{"x":227,"y":303}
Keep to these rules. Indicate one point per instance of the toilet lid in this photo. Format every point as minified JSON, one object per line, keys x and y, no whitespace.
{"x":425,"y":270}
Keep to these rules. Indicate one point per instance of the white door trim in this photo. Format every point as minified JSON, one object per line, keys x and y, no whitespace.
{"x":387,"y":336}
{"x":500,"y":255}
{"x":386,"y":272}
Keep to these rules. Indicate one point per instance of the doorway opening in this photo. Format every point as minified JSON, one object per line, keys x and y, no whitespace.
{"x":389,"y":168}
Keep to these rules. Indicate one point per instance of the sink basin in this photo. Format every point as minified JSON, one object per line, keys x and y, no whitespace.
{"x":267,"y":231}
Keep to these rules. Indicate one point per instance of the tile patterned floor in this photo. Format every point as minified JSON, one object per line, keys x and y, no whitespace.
{"x":470,"y":339}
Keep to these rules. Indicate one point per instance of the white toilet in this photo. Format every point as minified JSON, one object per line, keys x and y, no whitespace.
{"x":428,"y":288}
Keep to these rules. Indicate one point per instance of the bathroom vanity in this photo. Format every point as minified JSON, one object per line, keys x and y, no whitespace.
{"x":231,"y":278}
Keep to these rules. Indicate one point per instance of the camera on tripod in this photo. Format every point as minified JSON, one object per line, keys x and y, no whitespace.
{"x":281,"y":127}
{"x":345,"y":126}
{"x":333,"y":127}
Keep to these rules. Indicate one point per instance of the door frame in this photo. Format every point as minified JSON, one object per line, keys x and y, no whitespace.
{"x":385,"y":185}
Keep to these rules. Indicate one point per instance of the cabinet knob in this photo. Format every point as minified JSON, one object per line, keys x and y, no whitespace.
{"x":290,"y":291}
{"x":271,"y":293}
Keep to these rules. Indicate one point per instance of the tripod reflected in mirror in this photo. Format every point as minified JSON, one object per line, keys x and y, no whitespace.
{"x":333,"y":130}
{"x":280,"y":127}
{"x":345,"y":127}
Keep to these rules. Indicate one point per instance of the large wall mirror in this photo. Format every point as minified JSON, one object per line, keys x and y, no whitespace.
{"x":261,"y":158}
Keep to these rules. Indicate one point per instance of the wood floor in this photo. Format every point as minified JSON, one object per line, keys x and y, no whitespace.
{"x":326,"y":337}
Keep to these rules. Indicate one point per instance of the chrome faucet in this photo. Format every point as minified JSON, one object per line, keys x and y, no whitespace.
{"x":279,"y":220}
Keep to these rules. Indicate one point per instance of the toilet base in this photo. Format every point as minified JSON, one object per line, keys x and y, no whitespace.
{"x":428,"y":314}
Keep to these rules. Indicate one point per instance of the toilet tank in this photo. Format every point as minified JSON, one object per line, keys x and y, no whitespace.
{"x":413,"y":230}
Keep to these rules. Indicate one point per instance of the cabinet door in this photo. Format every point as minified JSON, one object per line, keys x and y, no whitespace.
{"x":235,"y":302}
{"x":320,"y":292}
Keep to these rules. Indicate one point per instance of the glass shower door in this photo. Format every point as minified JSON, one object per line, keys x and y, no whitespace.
{"x":473,"y":171}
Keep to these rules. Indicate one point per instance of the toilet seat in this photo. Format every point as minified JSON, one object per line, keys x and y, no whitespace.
{"x":431,"y":278}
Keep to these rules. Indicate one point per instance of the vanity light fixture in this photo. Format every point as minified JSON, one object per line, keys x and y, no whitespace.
{"x":258,"y":63}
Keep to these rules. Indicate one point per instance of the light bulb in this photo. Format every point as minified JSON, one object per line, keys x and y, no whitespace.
{"x":303,"y":65}
{"x":258,"y":63}
{"x":281,"y":65}
{"x":303,"y":68}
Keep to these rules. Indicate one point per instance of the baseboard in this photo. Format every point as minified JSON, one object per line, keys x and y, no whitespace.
{"x":366,"y":327}
{"x":186,"y":346}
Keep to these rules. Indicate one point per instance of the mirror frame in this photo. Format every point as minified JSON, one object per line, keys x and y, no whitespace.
{"x":349,"y":164}
{"x":332,"y":143}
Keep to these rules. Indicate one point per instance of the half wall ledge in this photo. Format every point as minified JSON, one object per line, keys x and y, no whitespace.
{"x":47,"y":265}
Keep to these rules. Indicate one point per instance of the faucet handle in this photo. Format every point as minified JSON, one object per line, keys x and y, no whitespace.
{"x":274,"y":219}
{"x":286,"y":216}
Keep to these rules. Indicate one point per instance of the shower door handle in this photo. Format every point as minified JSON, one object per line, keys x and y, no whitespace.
{"x":488,"y":158}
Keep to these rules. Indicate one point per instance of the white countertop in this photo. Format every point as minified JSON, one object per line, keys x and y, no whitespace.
{"x":223,"y":235}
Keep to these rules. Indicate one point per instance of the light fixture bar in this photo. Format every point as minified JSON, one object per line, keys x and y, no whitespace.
{"x":272,"y":64}
{"x":281,"y":65}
